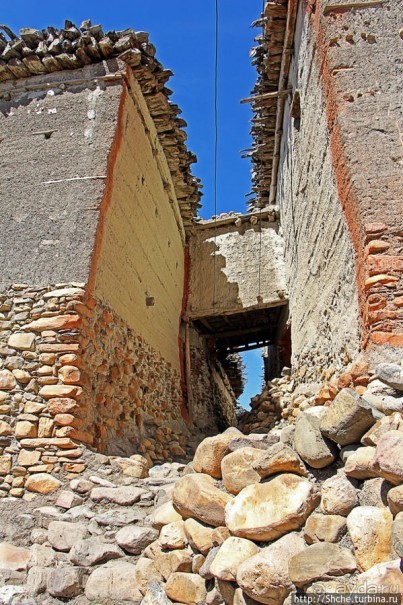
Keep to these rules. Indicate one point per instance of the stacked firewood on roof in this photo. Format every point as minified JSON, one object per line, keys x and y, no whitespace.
{"x":35,"y":52}
{"x":266,"y":56}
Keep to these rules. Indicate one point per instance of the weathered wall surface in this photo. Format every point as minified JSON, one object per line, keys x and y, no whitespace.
{"x":319,"y":252}
{"x":212,"y":403}
{"x":100,"y":361}
{"x":73,"y":373}
{"x":359,"y":52}
{"x":236,"y":267}
{"x":53,"y":223}
{"x":340,"y":179}
{"x":139,"y":252}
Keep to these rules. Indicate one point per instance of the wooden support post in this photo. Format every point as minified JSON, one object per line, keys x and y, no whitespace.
{"x":188,"y":371}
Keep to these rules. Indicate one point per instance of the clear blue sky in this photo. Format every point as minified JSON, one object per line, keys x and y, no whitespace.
{"x":183,"y":32}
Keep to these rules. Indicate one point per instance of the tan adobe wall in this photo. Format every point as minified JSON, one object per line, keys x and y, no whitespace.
{"x":97,"y":362}
{"x":357,"y":49}
{"x":139,"y":252}
{"x":242,"y":253}
{"x":55,"y":138}
{"x":320,"y":256}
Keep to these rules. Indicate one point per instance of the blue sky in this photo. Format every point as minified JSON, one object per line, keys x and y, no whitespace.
{"x":183,"y":32}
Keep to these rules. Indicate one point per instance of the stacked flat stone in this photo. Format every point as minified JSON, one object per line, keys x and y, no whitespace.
{"x":51,"y":411}
{"x":266,"y":57}
{"x":37,"y":52}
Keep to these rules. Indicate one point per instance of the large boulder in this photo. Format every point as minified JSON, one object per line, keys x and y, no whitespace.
{"x":196,"y":496}
{"x":388,"y":459}
{"x":347,"y":419}
{"x":394,"y":422}
{"x":231,"y":554}
{"x":155,"y":595}
{"x":397,"y":535}
{"x":267,"y":511}
{"x":173,"y":536}
{"x":226,"y":591}
{"x":92,"y":551}
{"x":65,"y":582}
{"x":383,"y":399}
{"x":370,"y":530}
{"x":324,"y":528}
{"x":145,"y":571}
{"x":237,"y":469}
{"x":12,"y":557}
{"x":134,"y":539}
{"x":264,"y":577}
{"x":136,"y":466}
{"x":391,"y":374}
{"x":211,"y":451}
{"x":37,"y":580}
{"x":113,"y":581}
{"x":42,"y":483}
{"x":188,"y":588}
{"x":164,"y":514}
{"x":172,"y":561}
{"x":279,"y":458}
{"x":339,"y":495}
{"x":205,"y":569}
{"x":395,"y":499}
{"x":321,"y":561}
{"x":200,"y":536}
{"x":360,"y":465}
{"x":309,"y":442}
{"x":126,"y":495}
{"x":63,"y":535}
{"x":382,"y":578}
{"x":374,"y":492}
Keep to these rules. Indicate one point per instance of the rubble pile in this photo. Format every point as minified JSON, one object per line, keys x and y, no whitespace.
{"x":316,"y":506}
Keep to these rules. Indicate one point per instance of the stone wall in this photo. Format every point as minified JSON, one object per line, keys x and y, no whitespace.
{"x":338,"y":186}
{"x":72,"y":373}
{"x":212,"y":402}
{"x":42,"y":419}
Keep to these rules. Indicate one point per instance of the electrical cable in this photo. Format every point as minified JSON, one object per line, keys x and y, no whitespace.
{"x":215,"y":179}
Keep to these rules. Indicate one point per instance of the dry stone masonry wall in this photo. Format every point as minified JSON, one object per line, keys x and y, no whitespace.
{"x":73,"y":373}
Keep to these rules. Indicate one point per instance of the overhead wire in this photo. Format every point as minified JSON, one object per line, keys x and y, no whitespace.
{"x":215,"y":178}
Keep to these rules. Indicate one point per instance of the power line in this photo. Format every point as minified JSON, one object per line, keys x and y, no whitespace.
{"x":215,"y":185}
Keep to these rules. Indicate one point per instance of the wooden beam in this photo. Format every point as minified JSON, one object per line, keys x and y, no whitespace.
{"x":206,"y":324}
{"x":251,"y":347}
{"x":292,"y":8}
{"x":350,"y":5}
{"x":212,"y":223}
{"x":266,"y":95}
{"x":234,"y":332}
{"x":213,"y":313}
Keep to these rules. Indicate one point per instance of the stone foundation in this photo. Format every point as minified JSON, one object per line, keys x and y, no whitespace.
{"x":74,"y":375}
